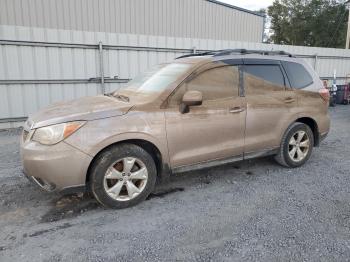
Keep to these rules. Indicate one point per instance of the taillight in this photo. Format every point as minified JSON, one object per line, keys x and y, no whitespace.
{"x":324,"y":93}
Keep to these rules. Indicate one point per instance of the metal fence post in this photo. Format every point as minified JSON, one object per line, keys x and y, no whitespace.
{"x":194,"y":50}
{"x":315,"y":62}
{"x":100,"y":48}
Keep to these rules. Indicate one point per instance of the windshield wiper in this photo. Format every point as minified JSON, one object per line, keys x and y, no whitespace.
{"x":118,"y":96}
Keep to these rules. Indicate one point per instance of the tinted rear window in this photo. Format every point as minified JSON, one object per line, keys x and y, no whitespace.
{"x":269,"y":73}
{"x":297,"y":75}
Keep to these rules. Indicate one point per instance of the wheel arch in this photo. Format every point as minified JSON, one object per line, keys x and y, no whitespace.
{"x":310,"y":122}
{"x":163,"y":170}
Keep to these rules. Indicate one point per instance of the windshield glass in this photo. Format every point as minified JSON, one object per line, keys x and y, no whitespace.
{"x":148,"y":85}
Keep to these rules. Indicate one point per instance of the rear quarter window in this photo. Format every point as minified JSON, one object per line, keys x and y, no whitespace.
{"x":298,"y":76}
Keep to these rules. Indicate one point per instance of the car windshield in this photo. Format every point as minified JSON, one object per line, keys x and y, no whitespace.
{"x":148,"y":85}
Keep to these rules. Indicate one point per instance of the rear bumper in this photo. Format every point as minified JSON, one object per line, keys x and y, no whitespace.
{"x":323,"y":126}
{"x":59,"y":167}
{"x":322,"y":136}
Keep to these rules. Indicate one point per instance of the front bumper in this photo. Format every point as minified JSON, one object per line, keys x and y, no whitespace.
{"x":59,"y":167}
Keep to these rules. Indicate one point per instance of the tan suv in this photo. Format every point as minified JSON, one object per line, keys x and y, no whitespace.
{"x":201,"y":110}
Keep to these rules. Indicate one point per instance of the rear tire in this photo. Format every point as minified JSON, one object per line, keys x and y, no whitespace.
{"x":123,"y":176}
{"x":296,"y":146}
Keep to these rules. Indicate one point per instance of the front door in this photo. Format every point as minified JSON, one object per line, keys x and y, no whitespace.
{"x":213,"y":130}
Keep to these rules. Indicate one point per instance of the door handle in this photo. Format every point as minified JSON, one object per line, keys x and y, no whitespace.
{"x":236,"y":109}
{"x":289,"y":100}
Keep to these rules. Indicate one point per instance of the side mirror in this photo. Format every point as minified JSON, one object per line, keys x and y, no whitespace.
{"x":190,"y":98}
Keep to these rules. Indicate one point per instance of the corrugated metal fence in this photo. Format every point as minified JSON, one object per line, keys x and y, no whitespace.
{"x":178,"y":18}
{"x":42,"y":66}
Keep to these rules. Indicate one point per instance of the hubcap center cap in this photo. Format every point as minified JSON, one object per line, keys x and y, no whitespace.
{"x":126,"y":176}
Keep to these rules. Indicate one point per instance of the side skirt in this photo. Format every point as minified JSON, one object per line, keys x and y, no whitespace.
{"x":208,"y":164}
{"x":219,"y":162}
{"x":262,"y":153}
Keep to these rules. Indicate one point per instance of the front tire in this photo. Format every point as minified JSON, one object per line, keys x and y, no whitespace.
{"x":123,"y":176}
{"x":296,"y":146}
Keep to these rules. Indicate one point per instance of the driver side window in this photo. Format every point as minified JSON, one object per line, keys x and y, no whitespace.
{"x":216,"y":83}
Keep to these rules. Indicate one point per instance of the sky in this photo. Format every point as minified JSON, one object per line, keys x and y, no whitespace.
{"x":253,"y":5}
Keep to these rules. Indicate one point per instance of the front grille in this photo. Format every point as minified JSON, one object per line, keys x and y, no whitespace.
{"x":25,"y":135}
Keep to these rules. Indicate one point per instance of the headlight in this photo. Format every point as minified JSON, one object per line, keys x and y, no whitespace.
{"x":50,"y":135}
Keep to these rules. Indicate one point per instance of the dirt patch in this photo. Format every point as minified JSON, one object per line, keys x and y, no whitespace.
{"x":15,"y":214}
{"x":41,"y":232}
{"x":165,"y":192}
{"x":70,"y":206}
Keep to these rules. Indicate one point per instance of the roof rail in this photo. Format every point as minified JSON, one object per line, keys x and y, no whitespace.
{"x":238,"y":51}
{"x":201,"y":54}
{"x":247,"y":51}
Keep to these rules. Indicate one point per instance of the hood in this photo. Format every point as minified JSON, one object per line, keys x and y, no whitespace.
{"x":85,"y":108}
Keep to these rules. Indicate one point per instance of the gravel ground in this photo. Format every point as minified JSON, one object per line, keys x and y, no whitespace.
{"x":248,"y":211}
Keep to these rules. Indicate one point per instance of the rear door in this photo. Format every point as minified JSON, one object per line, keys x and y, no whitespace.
{"x":269,"y":103}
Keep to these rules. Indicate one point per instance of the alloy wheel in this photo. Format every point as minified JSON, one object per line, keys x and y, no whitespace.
{"x":125,"y":179}
{"x":298,"y":146}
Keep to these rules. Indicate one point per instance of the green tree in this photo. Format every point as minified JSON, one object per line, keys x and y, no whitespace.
{"x":320,"y":23}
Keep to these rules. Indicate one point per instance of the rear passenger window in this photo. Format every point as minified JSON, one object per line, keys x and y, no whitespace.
{"x":297,"y":75}
{"x":262,"y":78}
